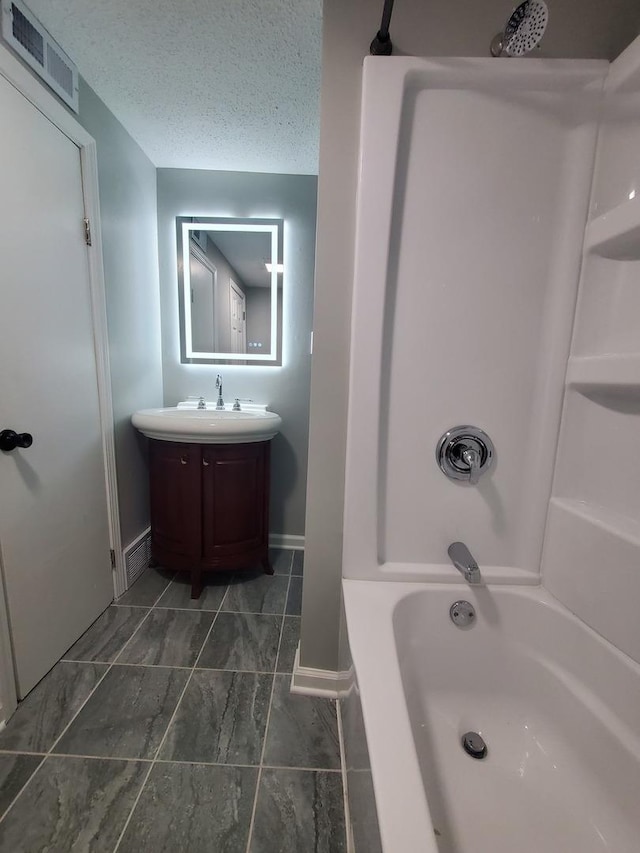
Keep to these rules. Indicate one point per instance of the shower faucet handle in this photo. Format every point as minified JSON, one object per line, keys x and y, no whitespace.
{"x":465,"y":453}
{"x":473,"y":458}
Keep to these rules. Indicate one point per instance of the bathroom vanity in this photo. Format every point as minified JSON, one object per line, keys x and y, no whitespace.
{"x":209,"y":488}
{"x":209,"y":507}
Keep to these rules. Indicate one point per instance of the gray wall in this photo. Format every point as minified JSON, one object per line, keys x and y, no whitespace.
{"x":437,"y":28}
{"x":127,"y":181}
{"x":183,"y":192}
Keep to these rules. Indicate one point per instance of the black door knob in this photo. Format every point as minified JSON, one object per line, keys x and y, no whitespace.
{"x":10,"y":439}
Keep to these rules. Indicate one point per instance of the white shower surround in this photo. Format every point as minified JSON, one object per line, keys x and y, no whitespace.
{"x":473,"y":196}
{"x":552,"y":683}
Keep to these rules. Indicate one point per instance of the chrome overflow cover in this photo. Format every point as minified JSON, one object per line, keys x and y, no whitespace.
{"x":474,"y":745}
{"x":462,"y":613}
{"x":465,"y":453}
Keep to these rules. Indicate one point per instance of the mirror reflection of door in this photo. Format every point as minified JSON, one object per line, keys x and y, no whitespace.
{"x":203,"y":276}
{"x":237,"y":314}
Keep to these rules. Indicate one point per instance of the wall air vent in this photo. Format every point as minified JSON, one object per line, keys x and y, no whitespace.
{"x":137,"y":556}
{"x":25,"y":34}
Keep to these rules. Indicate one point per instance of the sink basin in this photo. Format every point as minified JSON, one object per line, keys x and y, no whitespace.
{"x":207,"y":427}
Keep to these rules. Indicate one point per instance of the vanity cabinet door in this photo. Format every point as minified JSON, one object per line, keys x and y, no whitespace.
{"x":235,"y":480}
{"x":175,"y":500}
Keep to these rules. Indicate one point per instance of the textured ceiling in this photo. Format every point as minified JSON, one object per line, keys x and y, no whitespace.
{"x":202,"y":84}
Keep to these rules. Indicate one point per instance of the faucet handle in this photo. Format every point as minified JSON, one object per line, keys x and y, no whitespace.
{"x":474,"y":460}
{"x":465,"y":453}
{"x":236,"y":405}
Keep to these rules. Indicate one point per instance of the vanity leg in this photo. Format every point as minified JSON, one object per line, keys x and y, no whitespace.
{"x":266,"y":566}
{"x":196,"y":583}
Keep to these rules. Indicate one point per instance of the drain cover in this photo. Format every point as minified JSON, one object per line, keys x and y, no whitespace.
{"x":474,"y":745}
{"x":462,"y":613}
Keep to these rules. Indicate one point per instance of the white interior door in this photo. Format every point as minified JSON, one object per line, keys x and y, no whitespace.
{"x":202,"y":277}
{"x":238,"y":318}
{"x":54,"y":534}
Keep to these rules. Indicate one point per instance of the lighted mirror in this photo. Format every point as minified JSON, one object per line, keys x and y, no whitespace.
{"x":230,"y":276}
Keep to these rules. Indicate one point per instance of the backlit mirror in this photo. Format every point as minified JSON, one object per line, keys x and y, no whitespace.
{"x":230,"y":281}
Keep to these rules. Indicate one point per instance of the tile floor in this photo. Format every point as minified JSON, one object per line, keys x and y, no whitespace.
{"x":169,"y":726}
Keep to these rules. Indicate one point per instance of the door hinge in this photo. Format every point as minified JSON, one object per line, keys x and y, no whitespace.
{"x":87,"y":232}
{"x":113,"y":558}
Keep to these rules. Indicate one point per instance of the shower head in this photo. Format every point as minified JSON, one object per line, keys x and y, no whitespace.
{"x":523,"y":30}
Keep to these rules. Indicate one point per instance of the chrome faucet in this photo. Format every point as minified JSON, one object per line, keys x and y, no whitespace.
{"x":219,"y":401}
{"x":464,"y":562}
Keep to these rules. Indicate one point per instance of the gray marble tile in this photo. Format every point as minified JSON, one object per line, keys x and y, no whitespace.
{"x":42,"y":716}
{"x":128,"y":713}
{"x":242,"y":641}
{"x":178,"y":593}
{"x":281,"y":559}
{"x":303,"y":730}
{"x":288,"y":643}
{"x":222,"y":718}
{"x":257,"y":594}
{"x":294,"y":599}
{"x":363,"y":811}
{"x":298,"y":563}
{"x":148,"y":588}
{"x":73,"y":804}
{"x":108,"y":634}
{"x":15,"y":770}
{"x":169,"y":638}
{"x":194,"y":808}
{"x":299,"y":810}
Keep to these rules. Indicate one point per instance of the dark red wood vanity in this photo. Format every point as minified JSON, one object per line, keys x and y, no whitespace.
{"x":209,"y":507}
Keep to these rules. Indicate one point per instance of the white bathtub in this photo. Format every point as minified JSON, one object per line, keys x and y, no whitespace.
{"x":558,"y":707}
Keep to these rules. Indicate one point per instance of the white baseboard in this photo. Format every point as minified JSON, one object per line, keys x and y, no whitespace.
{"x":287,"y":541}
{"x":320,"y":682}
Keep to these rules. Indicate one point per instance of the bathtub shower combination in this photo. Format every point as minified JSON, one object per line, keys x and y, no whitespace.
{"x":492,"y":534}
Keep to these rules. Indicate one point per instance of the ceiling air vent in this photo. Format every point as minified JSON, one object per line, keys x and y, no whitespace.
{"x":26,"y":35}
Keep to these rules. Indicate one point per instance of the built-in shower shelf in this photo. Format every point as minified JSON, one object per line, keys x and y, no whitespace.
{"x":609,"y":522}
{"x":616,"y":234}
{"x":613,"y":370}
